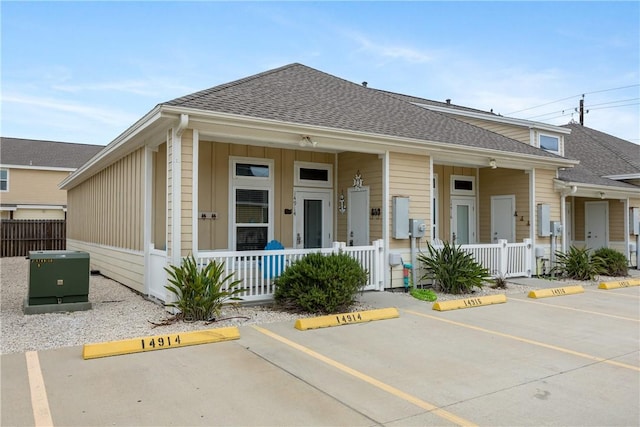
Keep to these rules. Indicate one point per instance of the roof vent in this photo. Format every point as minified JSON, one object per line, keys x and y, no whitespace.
{"x":448,"y":101}
{"x":364,"y":84}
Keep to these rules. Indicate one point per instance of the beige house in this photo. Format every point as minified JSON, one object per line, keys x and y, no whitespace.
{"x":316,"y":163}
{"x":599,"y":198}
{"x":30,"y":171}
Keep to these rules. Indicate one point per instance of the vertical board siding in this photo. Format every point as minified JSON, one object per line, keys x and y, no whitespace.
{"x":616,"y":220}
{"x":18,"y":237}
{"x":444,"y":195}
{"x":106,"y":209}
{"x":159,"y":201}
{"x":213,"y":188}
{"x":503,"y":182}
{"x":370,"y":167}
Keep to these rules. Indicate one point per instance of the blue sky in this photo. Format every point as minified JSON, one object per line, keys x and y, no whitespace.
{"x":86,"y":71}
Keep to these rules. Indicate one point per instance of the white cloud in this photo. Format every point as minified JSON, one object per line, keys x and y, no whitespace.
{"x":390,"y":51}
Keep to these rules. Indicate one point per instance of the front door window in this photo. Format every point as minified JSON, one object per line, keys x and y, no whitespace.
{"x":313,"y":220}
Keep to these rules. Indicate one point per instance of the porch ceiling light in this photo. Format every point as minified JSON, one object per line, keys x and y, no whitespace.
{"x":601,"y":195}
{"x":306,"y":141}
{"x":492,"y":163}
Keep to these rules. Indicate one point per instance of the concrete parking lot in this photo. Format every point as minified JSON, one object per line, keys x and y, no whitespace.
{"x":572,"y":360}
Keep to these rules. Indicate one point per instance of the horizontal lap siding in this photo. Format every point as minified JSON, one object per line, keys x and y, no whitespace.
{"x":545,"y":194}
{"x":370,"y":167}
{"x":32,"y":186}
{"x":107,"y":209}
{"x":186,"y":199}
{"x":408,"y":176}
{"x":518,"y":133}
{"x":124,"y":266}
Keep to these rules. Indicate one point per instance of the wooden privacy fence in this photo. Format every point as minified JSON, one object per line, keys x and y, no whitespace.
{"x":19,"y":236}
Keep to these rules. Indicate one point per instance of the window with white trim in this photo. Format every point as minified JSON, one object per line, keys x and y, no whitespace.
{"x":251,"y":203}
{"x":313,"y":174}
{"x":463,"y":185}
{"x":549,"y":143}
{"x":4,"y":180}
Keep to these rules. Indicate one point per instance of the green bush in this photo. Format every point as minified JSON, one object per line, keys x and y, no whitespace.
{"x":201,"y":292}
{"x":423,"y":294}
{"x":615,"y":263}
{"x":320,"y":283}
{"x":578,"y":264}
{"x":452,"y":270}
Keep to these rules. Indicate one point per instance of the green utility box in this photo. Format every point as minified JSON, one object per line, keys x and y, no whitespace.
{"x":58,"y":281}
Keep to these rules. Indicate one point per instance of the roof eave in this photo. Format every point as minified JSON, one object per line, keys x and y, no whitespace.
{"x":381,"y":143}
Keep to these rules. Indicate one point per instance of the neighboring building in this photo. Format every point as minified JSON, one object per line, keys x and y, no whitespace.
{"x":599,"y":196}
{"x":306,"y":158}
{"x":30,"y":171}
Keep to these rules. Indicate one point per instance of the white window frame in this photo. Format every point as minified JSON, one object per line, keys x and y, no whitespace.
{"x":6,"y":180}
{"x":466,"y":178}
{"x":299,"y":182}
{"x":238,"y":182}
{"x":540,"y":135}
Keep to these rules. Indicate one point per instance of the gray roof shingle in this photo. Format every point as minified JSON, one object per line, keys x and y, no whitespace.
{"x":299,"y":94}
{"x":30,"y":152}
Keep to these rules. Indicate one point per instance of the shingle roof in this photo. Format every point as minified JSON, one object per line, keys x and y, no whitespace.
{"x":29,"y":152}
{"x":602,"y":153}
{"x":424,"y":101}
{"x":299,"y":94}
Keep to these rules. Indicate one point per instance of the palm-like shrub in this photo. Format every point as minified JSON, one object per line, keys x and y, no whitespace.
{"x":615,"y":263}
{"x":200,"y":292}
{"x":578,"y":264}
{"x":320,"y":283}
{"x":452,"y":270}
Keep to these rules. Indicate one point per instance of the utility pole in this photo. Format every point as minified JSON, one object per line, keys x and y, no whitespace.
{"x":582,"y":111}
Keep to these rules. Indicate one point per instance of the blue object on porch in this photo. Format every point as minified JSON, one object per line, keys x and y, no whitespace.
{"x":273,"y":264}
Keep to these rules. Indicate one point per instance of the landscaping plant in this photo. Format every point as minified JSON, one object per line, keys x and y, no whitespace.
{"x":578,"y":264}
{"x":320,"y":283}
{"x":201,"y":292}
{"x":423,"y":294}
{"x":615,"y":263}
{"x":452,"y":270}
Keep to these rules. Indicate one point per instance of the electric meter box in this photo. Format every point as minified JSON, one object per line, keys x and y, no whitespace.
{"x":400,"y":217}
{"x":556,"y":228}
{"x":58,"y":281}
{"x":417,"y":227}
{"x":543,"y":220}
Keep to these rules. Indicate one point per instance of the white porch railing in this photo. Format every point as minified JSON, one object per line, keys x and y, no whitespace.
{"x":503,"y":259}
{"x":258,"y":269}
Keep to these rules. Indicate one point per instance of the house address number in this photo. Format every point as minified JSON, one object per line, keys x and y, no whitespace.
{"x":349,"y":318}
{"x":159,"y":342}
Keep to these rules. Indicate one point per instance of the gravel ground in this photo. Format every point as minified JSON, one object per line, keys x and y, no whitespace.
{"x":119,"y":313}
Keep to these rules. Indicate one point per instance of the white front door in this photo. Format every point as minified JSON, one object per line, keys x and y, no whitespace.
{"x":503,"y":224}
{"x":596,"y":224}
{"x":358,"y":217}
{"x":463,"y":220}
{"x":313,"y":223}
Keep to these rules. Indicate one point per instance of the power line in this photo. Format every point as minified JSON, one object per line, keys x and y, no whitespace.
{"x":571,"y":97}
{"x":587,"y":107}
